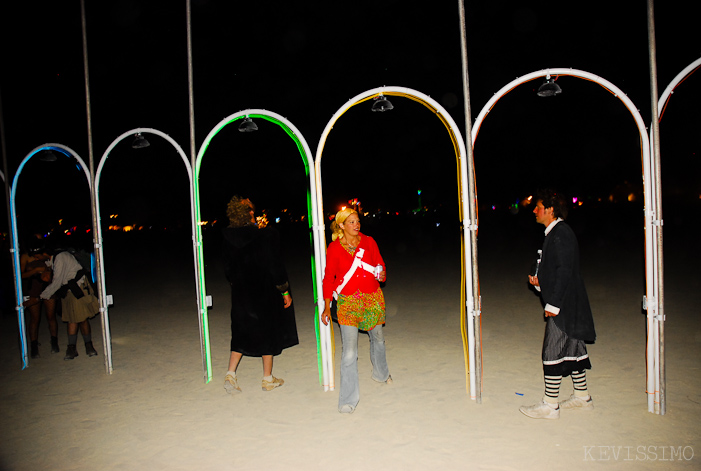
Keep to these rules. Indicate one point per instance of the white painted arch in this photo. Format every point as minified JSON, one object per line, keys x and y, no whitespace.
{"x":681,"y":76}
{"x":652,"y":203}
{"x":105,"y":301}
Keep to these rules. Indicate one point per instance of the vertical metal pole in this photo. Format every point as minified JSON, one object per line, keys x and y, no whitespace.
{"x":191,"y":99}
{"x":655,"y":151}
{"x":6,"y":176}
{"x":473,"y":208}
{"x":106,"y":336}
{"x":201,"y":297}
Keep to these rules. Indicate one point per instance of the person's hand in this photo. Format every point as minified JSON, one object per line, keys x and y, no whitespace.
{"x":31,"y":302}
{"x":288,"y":300}
{"x":325,"y":317}
{"x":46,"y":276}
{"x":550,"y":314}
{"x":383,"y":276}
{"x":533,"y":280}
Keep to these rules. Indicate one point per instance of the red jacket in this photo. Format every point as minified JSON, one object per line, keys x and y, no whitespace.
{"x":339,"y":261}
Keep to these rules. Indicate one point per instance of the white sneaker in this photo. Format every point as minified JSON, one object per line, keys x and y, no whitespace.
{"x":542,"y":410}
{"x":576,"y":402}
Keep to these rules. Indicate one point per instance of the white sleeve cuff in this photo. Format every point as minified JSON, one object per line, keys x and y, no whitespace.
{"x":553,"y":309}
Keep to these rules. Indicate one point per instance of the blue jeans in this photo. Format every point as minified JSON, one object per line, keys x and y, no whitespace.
{"x":350,"y":391}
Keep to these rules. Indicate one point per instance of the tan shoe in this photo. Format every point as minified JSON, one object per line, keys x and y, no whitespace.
{"x":388,"y":381}
{"x":231,"y":384}
{"x":270,"y":385}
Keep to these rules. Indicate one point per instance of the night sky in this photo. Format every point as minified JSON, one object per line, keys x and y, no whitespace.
{"x":304,"y":60}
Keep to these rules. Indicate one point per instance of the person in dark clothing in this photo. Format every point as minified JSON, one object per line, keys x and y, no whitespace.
{"x":569,"y":322}
{"x":36,"y":276}
{"x":262,"y":316}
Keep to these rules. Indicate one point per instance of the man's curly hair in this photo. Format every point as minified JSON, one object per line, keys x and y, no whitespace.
{"x":239,"y":211}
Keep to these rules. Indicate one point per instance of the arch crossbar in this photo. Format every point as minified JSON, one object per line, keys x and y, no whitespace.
{"x":305,"y":153}
{"x":63,"y":150}
{"x":467,"y":303}
{"x":652,"y":210}
{"x":105,"y":300}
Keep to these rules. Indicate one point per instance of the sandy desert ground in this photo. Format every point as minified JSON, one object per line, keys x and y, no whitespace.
{"x":156,"y":412}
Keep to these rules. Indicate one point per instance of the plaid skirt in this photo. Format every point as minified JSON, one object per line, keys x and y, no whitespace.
{"x":361,"y":310}
{"x":562,"y":355}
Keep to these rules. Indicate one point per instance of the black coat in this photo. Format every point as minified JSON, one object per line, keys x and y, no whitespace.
{"x":561,"y":283}
{"x":260,"y":325}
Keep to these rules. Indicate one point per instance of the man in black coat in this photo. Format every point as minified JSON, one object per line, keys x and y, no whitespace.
{"x":569,"y":321}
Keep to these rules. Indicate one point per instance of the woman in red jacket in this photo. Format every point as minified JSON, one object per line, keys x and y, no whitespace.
{"x":354,"y":270}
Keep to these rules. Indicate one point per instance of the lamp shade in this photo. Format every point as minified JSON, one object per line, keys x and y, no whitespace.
{"x":139,"y":141}
{"x":382,"y":104}
{"x":247,"y":125}
{"x":549,"y":88}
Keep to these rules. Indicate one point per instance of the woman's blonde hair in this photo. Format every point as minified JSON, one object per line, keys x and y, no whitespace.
{"x":341,"y":216}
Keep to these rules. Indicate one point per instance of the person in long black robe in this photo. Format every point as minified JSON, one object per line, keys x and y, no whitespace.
{"x":262,"y":317}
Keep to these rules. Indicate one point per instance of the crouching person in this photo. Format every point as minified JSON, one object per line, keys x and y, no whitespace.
{"x":78,"y":301}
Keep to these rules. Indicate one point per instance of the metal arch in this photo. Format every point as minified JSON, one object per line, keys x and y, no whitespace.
{"x":68,"y":152}
{"x":666,"y":95}
{"x":469,"y":223}
{"x":303,"y":147}
{"x":652,"y":205}
{"x":660,"y":379}
{"x":104,"y":305}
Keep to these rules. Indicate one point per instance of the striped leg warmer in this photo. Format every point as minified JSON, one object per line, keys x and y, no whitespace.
{"x":552,"y":388}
